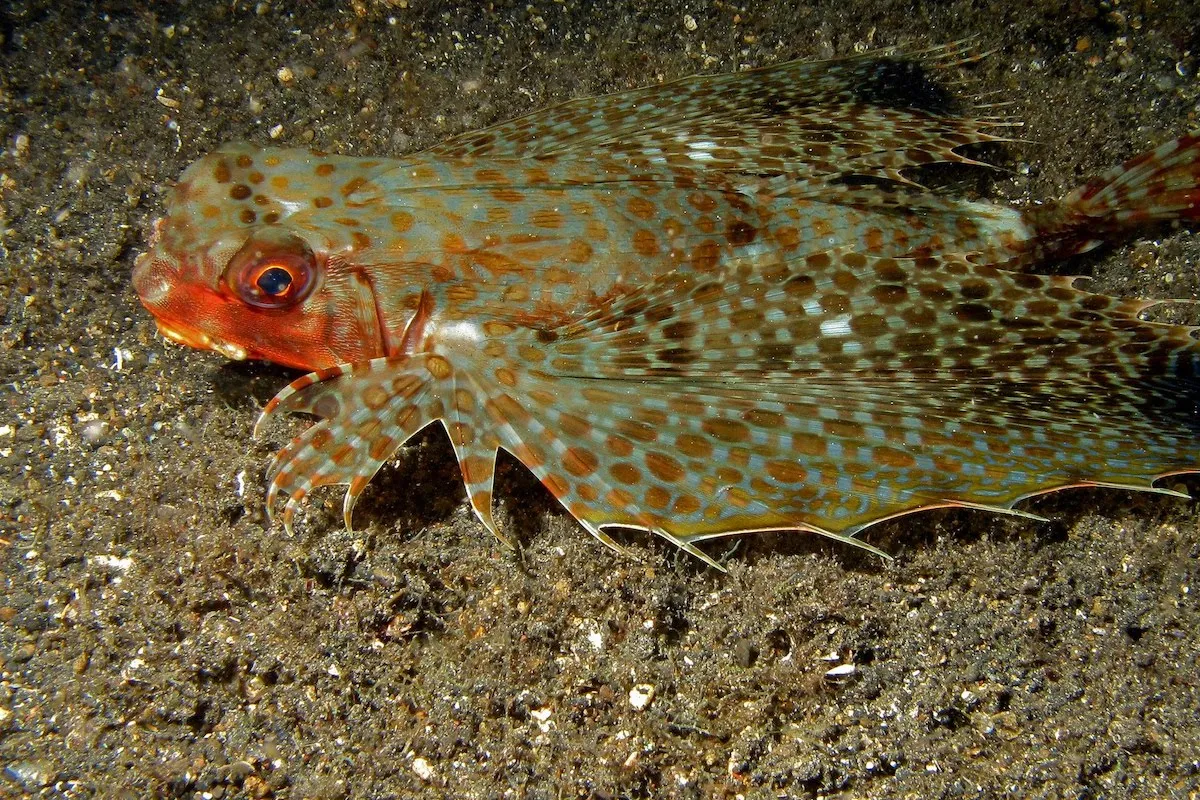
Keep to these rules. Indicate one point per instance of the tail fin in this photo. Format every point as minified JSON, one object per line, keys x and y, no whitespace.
{"x":1160,"y":185}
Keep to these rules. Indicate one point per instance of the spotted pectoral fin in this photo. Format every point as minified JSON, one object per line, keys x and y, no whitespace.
{"x":368,"y":411}
{"x":839,"y":391}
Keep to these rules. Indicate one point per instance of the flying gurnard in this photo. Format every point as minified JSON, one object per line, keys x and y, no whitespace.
{"x":720,"y":305}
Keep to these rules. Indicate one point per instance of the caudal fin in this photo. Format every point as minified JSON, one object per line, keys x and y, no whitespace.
{"x":1160,"y":185}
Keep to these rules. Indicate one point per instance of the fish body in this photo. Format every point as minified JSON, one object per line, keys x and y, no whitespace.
{"x":711,"y":307}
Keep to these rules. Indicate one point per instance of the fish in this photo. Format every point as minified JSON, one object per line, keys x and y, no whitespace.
{"x":726,"y":304}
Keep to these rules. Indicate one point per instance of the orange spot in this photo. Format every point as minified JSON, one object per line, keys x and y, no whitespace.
{"x":476,"y":469}
{"x":438,"y":367}
{"x":279,"y":182}
{"x":618,"y":446}
{"x":401,"y":221}
{"x":255,"y":177}
{"x":343,"y":456}
{"x":664,"y":467}
{"x":352,"y":186}
{"x":822,"y":227}
{"x":506,"y":376}
{"x":580,"y":462}
{"x":547,"y":218}
{"x":788,"y":237}
{"x":694,"y":446}
{"x":375,"y":397}
{"x":657,"y":497}
{"x":618,"y":498}
{"x":625,"y":472}
{"x":641,"y":208}
{"x":556,"y":484}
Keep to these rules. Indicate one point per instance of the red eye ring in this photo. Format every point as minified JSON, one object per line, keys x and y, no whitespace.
{"x":272,"y":270}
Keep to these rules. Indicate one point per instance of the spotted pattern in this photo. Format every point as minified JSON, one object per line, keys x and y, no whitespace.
{"x":716,"y":306}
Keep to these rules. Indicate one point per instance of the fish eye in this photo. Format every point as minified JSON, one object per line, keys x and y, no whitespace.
{"x":274,"y":280}
{"x":275,"y":270}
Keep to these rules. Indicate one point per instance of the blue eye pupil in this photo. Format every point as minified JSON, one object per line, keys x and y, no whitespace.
{"x":274,"y":281}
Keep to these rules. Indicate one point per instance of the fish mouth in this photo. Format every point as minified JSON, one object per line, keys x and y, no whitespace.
{"x":201,"y":341}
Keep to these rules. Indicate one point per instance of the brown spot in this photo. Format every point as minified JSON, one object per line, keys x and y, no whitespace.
{"x":375,"y":397}
{"x":808,"y":444}
{"x":727,"y":430}
{"x":664,"y":467}
{"x":247,"y":216}
{"x":506,"y":376}
{"x":705,"y":256}
{"x":693,"y":445}
{"x":682,"y":329}
{"x":381,"y":448}
{"x":889,"y":294}
{"x":702,"y":202}
{"x":221,"y":173}
{"x":349,"y":222}
{"x":645,"y":243}
{"x":507,"y":195}
{"x":741,"y":232}
{"x":578,"y":252}
{"x":626,"y":473}
{"x":557,"y":485}
{"x":438,"y":367}
{"x":618,"y":446}
{"x":891,"y":457}
{"x":352,"y":186}
{"x":686,"y":504}
{"x":255,"y":177}
{"x":788,"y":237}
{"x":786,"y":471}
{"x":574,"y":426}
{"x":495,"y":327}
{"x":361,"y":240}
{"x":325,"y":170}
{"x":245,"y":161}
{"x":322,"y":201}
{"x":869,"y":325}
{"x":800,"y":287}
{"x":640,"y":431}
{"x":547,"y":218}
{"x":240,"y":191}
{"x":657,"y":497}
{"x":401,"y":221}
{"x":641,"y":208}
{"x":344,"y":455}
{"x":580,"y":462}
{"x":764,"y":419}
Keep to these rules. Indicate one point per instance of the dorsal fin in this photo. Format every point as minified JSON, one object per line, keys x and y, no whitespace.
{"x":872,"y":114}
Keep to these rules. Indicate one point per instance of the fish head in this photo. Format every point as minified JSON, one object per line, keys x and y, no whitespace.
{"x":254,"y":259}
